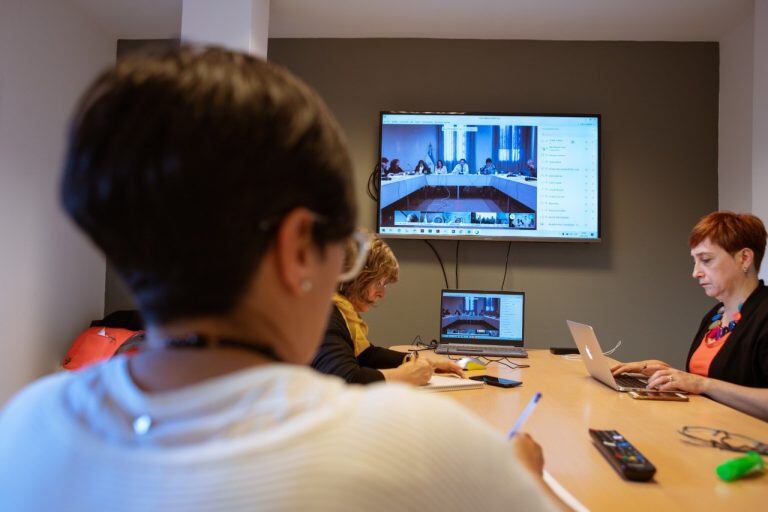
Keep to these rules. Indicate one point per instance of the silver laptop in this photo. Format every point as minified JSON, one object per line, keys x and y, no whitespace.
{"x":482,"y":323}
{"x":597,"y":364}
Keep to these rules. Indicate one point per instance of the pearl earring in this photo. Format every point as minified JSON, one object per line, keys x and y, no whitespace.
{"x":305,"y":285}
{"x":745,"y":270}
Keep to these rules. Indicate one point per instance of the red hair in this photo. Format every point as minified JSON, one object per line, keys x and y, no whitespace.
{"x":732,"y":232}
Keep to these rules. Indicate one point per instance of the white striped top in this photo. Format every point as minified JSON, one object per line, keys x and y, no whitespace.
{"x":276,"y":437}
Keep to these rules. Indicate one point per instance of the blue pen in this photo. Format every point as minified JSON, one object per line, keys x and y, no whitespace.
{"x":524,"y":415}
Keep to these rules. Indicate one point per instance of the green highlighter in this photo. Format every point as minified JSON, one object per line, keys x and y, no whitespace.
{"x":734,"y":469}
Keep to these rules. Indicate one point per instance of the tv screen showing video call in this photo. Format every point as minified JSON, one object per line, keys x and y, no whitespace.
{"x":489,"y":176}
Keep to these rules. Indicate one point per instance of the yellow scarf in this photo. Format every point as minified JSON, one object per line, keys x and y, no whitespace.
{"x":358,"y":329}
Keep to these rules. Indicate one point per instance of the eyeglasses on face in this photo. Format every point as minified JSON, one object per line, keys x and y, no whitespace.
{"x":722,"y":439}
{"x":360,"y":244}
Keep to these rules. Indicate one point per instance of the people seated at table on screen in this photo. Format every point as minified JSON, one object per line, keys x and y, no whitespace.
{"x":488,"y":168}
{"x":461,"y":167}
{"x":524,"y":220}
{"x":384,"y":166}
{"x":728,"y":359}
{"x":394,"y":167}
{"x":529,"y":169}
{"x":421,"y":168}
{"x":440,"y":168}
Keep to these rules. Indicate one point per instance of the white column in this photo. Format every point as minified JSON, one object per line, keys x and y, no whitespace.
{"x":734,"y":156}
{"x":760,"y":118}
{"x":238,"y":24}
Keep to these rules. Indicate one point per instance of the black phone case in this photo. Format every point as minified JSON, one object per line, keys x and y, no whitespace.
{"x":481,"y":378}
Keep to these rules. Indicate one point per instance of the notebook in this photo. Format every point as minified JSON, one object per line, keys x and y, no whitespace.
{"x":485,"y":323}
{"x":450,"y":383}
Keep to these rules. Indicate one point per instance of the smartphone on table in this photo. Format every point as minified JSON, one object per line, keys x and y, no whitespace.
{"x":673,"y":396}
{"x":496,"y":381}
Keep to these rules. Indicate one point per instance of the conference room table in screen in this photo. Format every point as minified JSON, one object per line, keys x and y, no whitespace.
{"x":423,"y":192}
{"x":481,"y":324}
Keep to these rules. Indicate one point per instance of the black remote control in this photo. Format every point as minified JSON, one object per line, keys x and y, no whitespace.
{"x":630,"y":463}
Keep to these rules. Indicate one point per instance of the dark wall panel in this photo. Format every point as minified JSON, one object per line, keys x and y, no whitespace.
{"x":659,"y":175}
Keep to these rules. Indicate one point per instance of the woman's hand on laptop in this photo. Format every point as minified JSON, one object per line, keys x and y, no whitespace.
{"x":647,"y":367}
{"x":670,"y":379}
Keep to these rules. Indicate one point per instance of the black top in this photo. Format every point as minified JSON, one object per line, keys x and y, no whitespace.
{"x":336,"y":355}
{"x":743,"y":359}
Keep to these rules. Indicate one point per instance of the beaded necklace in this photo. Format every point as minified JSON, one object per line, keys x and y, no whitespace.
{"x":717,"y":331}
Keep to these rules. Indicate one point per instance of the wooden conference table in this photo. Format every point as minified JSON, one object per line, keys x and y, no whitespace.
{"x":573,"y":402}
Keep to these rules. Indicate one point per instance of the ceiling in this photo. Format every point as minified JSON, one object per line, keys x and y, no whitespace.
{"x":627,"y":20}
{"x":135,"y":19}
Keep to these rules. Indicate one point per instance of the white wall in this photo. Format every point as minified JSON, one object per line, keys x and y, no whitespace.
{"x":760,"y":117}
{"x":238,"y":24}
{"x":51,"y":279}
{"x":735,"y":120}
{"x":743,"y":118}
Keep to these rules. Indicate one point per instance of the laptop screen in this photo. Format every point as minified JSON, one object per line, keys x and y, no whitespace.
{"x":482,"y":317}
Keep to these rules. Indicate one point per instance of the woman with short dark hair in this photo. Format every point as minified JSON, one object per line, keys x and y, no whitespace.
{"x":171,"y":171}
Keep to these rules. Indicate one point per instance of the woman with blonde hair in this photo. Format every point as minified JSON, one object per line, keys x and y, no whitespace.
{"x":346,"y":351}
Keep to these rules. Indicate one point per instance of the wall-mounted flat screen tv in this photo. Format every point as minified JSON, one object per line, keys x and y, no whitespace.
{"x":489,"y":176}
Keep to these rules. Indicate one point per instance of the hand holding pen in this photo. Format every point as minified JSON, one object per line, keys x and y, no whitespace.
{"x":414,"y":370}
{"x":528,"y":451}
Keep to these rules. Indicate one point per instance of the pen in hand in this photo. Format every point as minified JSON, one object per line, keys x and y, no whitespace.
{"x":524,"y":415}
{"x":411,"y":356}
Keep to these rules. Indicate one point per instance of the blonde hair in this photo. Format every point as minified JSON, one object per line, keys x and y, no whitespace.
{"x":380,"y":265}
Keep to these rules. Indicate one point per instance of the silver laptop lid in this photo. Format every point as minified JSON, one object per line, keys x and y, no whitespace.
{"x":592,"y":354}
{"x":477,"y":317}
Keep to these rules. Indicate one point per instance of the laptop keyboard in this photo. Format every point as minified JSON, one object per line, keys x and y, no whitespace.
{"x":626,"y":381}
{"x":482,"y":351}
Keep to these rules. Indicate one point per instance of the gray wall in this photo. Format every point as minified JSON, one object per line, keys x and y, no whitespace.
{"x":51,"y":276}
{"x":659,"y":103}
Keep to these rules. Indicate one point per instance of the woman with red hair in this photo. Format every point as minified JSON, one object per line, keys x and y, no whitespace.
{"x":728,"y":360}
